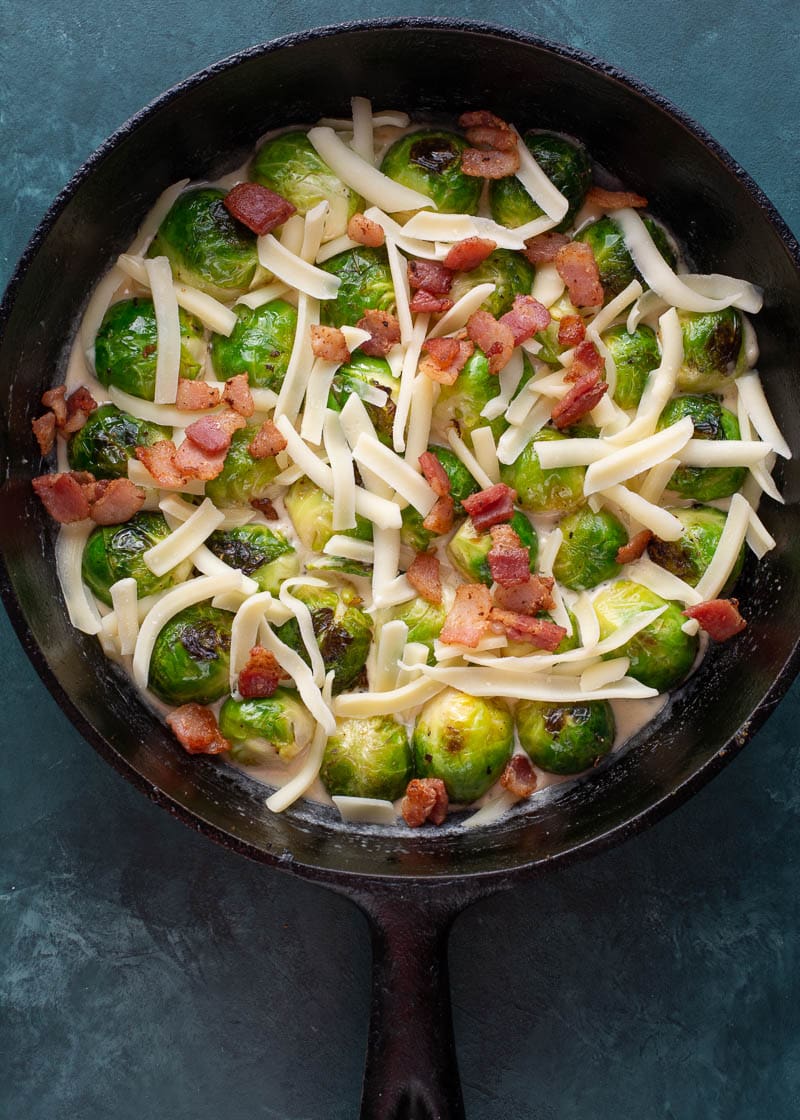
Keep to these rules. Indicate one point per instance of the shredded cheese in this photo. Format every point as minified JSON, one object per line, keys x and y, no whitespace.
{"x":301,"y":359}
{"x":182,"y":542}
{"x":629,"y":461}
{"x":508,"y":380}
{"x":391,"y":643}
{"x":661,"y":582}
{"x":456,"y":318}
{"x":334,"y":247}
{"x":751,"y":393}
{"x":727,"y":552}
{"x":486,"y":453}
{"x":308,"y":772}
{"x":661,"y":382}
{"x":344,"y":483}
{"x":362,"y":177}
{"x":653,"y":517}
{"x":579,"y":452}
{"x":405,"y":480}
{"x":304,"y":621}
{"x":517,"y":437}
{"x":355,"y":422}
{"x":414,"y":655}
{"x":350,"y":548}
{"x":123,"y":596}
{"x":759,"y":537}
{"x":721,"y":453}
{"x":606,"y":672}
{"x":547,"y":285}
{"x":655,"y":482}
{"x":420,"y":417}
{"x":588,"y":622}
{"x":492,"y":810}
{"x":407,"y":377}
{"x":541,"y":189}
{"x":168,"y":328}
{"x":402,"y":295}
{"x":365,"y":810}
{"x":259,"y":296}
{"x":468,"y":459}
{"x":293,"y":270}
{"x":81,"y":607}
{"x":320,"y":380}
{"x":139,"y":474}
{"x":385,"y":564}
{"x":362,"y":705}
{"x":362,"y":143}
{"x":494,"y":681}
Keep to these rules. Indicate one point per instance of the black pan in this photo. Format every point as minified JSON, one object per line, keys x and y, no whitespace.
{"x":411,"y":885}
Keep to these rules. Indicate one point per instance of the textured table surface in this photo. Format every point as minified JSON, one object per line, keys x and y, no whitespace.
{"x":146,"y":973}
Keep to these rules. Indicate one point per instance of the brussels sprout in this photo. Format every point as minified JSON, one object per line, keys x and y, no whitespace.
{"x":552,"y":349}
{"x":635,"y":355}
{"x":126,"y":347}
{"x":461,"y":403}
{"x":508,"y":270}
{"x":289,"y":165}
{"x":367,"y":758}
{"x":206,"y":246}
{"x":114,"y":552}
{"x":343,"y":631}
{"x":544,"y":491}
{"x":465,"y":741}
{"x":191,"y":656}
{"x":689,"y":556}
{"x":711,"y":421}
{"x":260,"y":345}
{"x":424,"y":621}
{"x":614,"y":261}
{"x":269,"y":727}
{"x":340,"y":564}
{"x":565,"y":164}
{"x":713,"y":350}
{"x":429,"y":161}
{"x":588,"y":552}
{"x":259,"y":552}
{"x":242,"y":477}
{"x":356,"y":376}
{"x":366,"y":282}
{"x":311,"y":511}
{"x":108,"y":440}
{"x":565,"y":738}
{"x":462,"y":484}
{"x":661,"y":654}
{"x":468,"y":549}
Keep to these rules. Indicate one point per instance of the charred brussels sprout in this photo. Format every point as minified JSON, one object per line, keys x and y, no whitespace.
{"x":429,"y":161}
{"x":367,"y":758}
{"x":259,"y":345}
{"x":713,"y":350}
{"x":711,"y":421}
{"x":424,"y":620}
{"x":635,"y":355}
{"x":115,"y":552}
{"x":191,"y":656}
{"x":206,"y":246}
{"x":126,"y":347}
{"x":261,"y":553}
{"x":465,"y":741}
{"x":460,"y":404}
{"x":565,"y":164}
{"x":511,"y":274}
{"x":311,"y":511}
{"x":109,"y":439}
{"x":565,"y":738}
{"x":614,"y":262}
{"x":259,"y":731}
{"x":359,"y":375}
{"x":661,"y":654}
{"x":366,"y":283}
{"x":689,"y":556}
{"x":343,"y":631}
{"x":588,"y":552}
{"x":558,"y":490}
{"x":469,"y":550}
{"x":462,"y":484}
{"x":242,"y":477}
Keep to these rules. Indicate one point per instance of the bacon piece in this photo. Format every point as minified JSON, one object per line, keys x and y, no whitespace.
{"x":196,"y":396}
{"x":80,"y":405}
{"x":719,"y":618}
{"x":538,"y":632}
{"x":469,"y":253}
{"x":526,"y":318}
{"x":428,"y":304}
{"x":445,"y":358}
{"x":265,"y":508}
{"x":237,"y":394}
{"x":440,"y":518}
{"x":543,"y":249}
{"x":578,"y":269}
{"x":489,"y":165}
{"x":468,"y":617}
{"x":531,"y":597}
{"x":329,"y":343}
{"x":193,"y":461}
{"x":209,"y":435}
{"x":258,"y":208}
{"x":509,"y":560}
{"x":55,"y":400}
{"x":261,"y":675}
{"x":485,"y":128}
{"x":586,"y":359}
{"x":490,"y":506}
{"x":423,"y":575}
{"x":635,"y":547}
{"x":614,"y":200}
{"x":480,"y":118}
{"x":429,"y":276}
{"x":44,"y":428}
{"x":425,"y":800}
{"x":519,"y":776}
{"x":434,"y":473}
{"x":195,"y":727}
{"x":267,"y":442}
{"x":159,"y":460}
{"x":365,"y":231}
{"x":571,"y":330}
{"x":229,"y":421}
{"x":581,"y":398}
{"x":118,"y":502}
{"x":62,"y":496}
{"x":384,"y":330}
{"x":496,"y":339}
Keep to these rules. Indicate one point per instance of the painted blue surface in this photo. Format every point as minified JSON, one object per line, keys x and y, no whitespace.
{"x":146,"y":973}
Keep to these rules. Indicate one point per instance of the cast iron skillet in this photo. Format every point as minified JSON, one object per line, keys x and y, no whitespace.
{"x":410,"y":885}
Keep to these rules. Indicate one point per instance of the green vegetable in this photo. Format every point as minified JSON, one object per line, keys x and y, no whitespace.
{"x":461,"y":403}
{"x":689,"y":556}
{"x":588,"y":552}
{"x":115,"y":552}
{"x":343,"y":631}
{"x":261,"y":730}
{"x":429,"y":161}
{"x":261,"y":553}
{"x":462,"y":484}
{"x":565,"y":738}
{"x":356,"y":376}
{"x":367,"y":758}
{"x":468,"y":549}
{"x":508,"y":270}
{"x":311,"y":511}
{"x":366,"y":283}
{"x":260,"y":345}
{"x":713,"y":350}
{"x":614,"y":262}
{"x":191,"y":656}
{"x":711,"y":421}
{"x":635,"y":355}
{"x":552,"y":349}
{"x":126,"y":347}
{"x":109,"y":439}
{"x":544,"y":491}
{"x":565,"y":164}
{"x":424,"y":621}
{"x":242,"y":477}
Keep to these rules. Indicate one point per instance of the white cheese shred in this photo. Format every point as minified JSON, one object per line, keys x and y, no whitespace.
{"x":653,"y":517}
{"x":486,"y":452}
{"x":726,"y":555}
{"x":307,"y":774}
{"x":402,"y":294}
{"x":293,"y":270}
{"x":365,"y":810}
{"x":629,"y":461}
{"x":182,"y":542}
{"x":362,"y":705}
{"x":168,"y":329}
{"x":355,"y":422}
{"x":362,"y":177}
{"x":81,"y":607}
{"x":301,"y":360}
{"x":407,"y":378}
{"x":495,"y":681}
{"x":305,"y":623}
{"x":123,"y":596}
{"x":380,"y":459}
{"x":456,"y":318}
{"x":420,"y":417}
{"x":468,"y":459}
{"x":350,"y":548}
{"x":751,"y":393}
{"x":320,"y":380}
{"x":344,"y":482}
{"x":605,"y":673}
{"x":391,"y":644}
{"x":541,"y":189}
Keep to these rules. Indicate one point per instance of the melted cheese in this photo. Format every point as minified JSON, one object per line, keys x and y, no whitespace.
{"x":344,"y":483}
{"x":168,"y":328}
{"x":293,"y":270}
{"x":182,"y":542}
{"x":362,"y":177}
{"x":81,"y":608}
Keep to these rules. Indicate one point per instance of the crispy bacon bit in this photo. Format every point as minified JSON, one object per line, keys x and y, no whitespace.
{"x":265,"y":507}
{"x":159,"y":460}
{"x":80,"y":405}
{"x":719,"y":618}
{"x":635,"y":547}
{"x":496,"y":339}
{"x":519,"y":776}
{"x":484,"y":128}
{"x":384,"y":329}
{"x":44,"y":428}
{"x":267,"y":442}
{"x":54,"y":399}
{"x":196,"y":396}
{"x":229,"y":421}
{"x":423,"y":575}
{"x":237,"y":394}
{"x":261,"y":675}
{"x":490,"y":506}
{"x":365,"y":231}
{"x":468,"y":618}
{"x":531,"y":597}
{"x":509,"y":560}
{"x":586,"y":359}
{"x":63,"y":497}
{"x":538,"y":632}
{"x":429,"y":276}
{"x":427,"y":304}
{"x":578,"y":269}
{"x":195,"y":728}
{"x":440,"y":518}
{"x":329,"y":343}
{"x":469,"y":253}
{"x":571,"y":330}
{"x":118,"y":502}
{"x":209,"y":435}
{"x":434,"y":473}
{"x":614,"y":200}
{"x":480,"y":118}
{"x":425,"y":800}
{"x":544,"y":248}
{"x":258,"y":208}
{"x":526,"y":318}
{"x":581,"y":398}
{"x":489,"y":165}
{"x":445,"y":358}
{"x":193,"y":461}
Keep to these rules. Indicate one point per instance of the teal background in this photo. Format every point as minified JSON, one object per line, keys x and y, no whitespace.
{"x":147,"y":973}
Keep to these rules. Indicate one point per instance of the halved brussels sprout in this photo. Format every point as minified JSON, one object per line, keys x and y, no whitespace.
{"x":544,"y":491}
{"x":261,"y":553}
{"x":588,"y":552}
{"x":508,"y":270}
{"x":343,"y":631}
{"x":261,"y":730}
{"x":207,"y":247}
{"x":191,"y":656}
{"x":552,"y":349}
{"x":260,"y":345}
{"x":126,"y":347}
{"x":635,"y":355}
{"x":462,"y":484}
{"x":689,"y":556}
{"x":468,"y":549}
{"x":713,"y":350}
{"x":614,"y":262}
{"x":464,"y":740}
{"x":565,"y":164}
{"x":711,"y":421}
{"x":357,"y":376}
{"x":108,"y":439}
{"x":429,"y":161}
{"x":424,"y":621}
{"x":366,"y":283}
{"x":461,"y":403}
{"x":661,"y":654}
{"x":242,"y":477}
{"x":565,"y":738}
{"x":311,"y":511}
{"x":367,"y":758}
{"x":114,"y":552}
